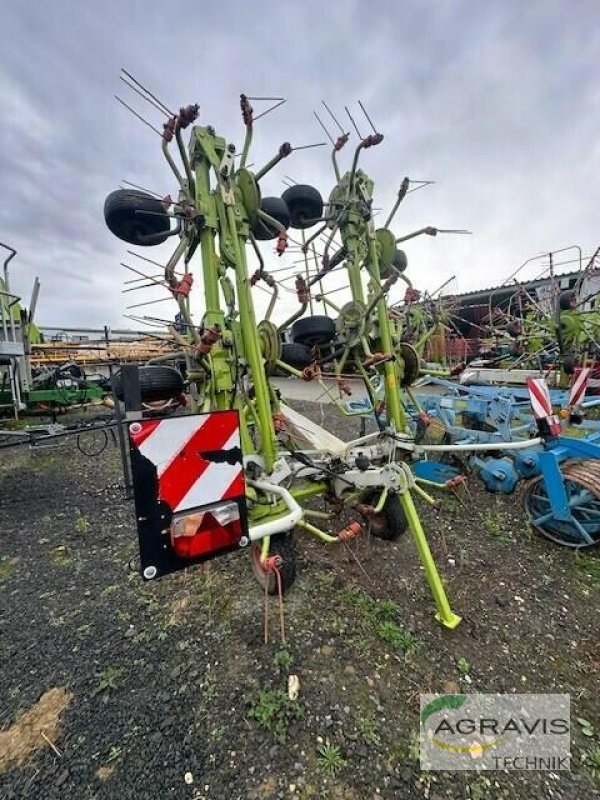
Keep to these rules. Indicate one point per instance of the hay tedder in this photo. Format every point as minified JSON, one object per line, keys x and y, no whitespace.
{"x":240,"y":470}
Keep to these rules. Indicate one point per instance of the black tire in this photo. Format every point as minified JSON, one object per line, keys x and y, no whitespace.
{"x":391,"y":522}
{"x":296,"y":355}
{"x":313,"y":331}
{"x":275,"y":207}
{"x":281,"y":545}
{"x":567,"y":300}
{"x":400,"y":263}
{"x":412,"y":364}
{"x":123,"y":216}
{"x":400,"y":260}
{"x":514,"y":328}
{"x":156,"y":383}
{"x":305,"y":204}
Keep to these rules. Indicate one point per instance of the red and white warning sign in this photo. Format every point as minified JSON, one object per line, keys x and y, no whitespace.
{"x":198,"y":457}
{"x":539,"y":397}
{"x":190,"y":493}
{"x":580,"y":382}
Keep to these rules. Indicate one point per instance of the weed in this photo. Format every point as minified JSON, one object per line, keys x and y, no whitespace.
{"x":338,"y":625}
{"x":82,"y":524}
{"x":114,"y":753}
{"x":218,"y":733}
{"x":586,"y":727}
{"x":463,"y":666}
{"x":283,"y":660}
{"x":61,"y":555}
{"x":331,"y":759}
{"x":108,"y":681}
{"x":368,"y":730}
{"x":404,"y":753}
{"x":405,"y":641}
{"x":209,"y":688}
{"x":589,"y":566}
{"x":480,"y":790}
{"x":274,"y":711}
{"x":591,"y":759}
{"x":494,"y":522}
{"x":7,"y":566}
{"x":387,"y":610}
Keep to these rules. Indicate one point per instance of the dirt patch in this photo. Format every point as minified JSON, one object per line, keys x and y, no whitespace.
{"x":104,"y":772}
{"x":36,"y":728}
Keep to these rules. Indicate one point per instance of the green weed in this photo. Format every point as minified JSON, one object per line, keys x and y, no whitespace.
{"x":274,"y":711}
{"x":331,"y":759}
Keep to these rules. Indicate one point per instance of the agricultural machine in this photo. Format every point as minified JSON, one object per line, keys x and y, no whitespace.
{"x":494,"y":434}
{"x":240,"y":470}
{"x":23,"y":386}
{"x":550,"y":330}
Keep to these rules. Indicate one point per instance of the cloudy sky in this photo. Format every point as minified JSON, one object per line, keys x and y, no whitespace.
{"x":498,"y":102}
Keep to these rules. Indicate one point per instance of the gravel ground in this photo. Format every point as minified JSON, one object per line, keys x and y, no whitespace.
{"x":168,"y":691}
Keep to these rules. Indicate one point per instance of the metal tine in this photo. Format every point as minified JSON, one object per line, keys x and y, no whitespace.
{"x":268,"y":111}
{"x":137,"y":280}
{"x":139,"y":116}
{"x":307,"y":146}
{"x":141,"y":188}
{"x":370,"y":121}
{"x":150,"y":302}
{"x":145,"y":258}
{"x":148,"y":92}
{"x":137,"y":272}
{"x":353,"y":122}
{"x":289,"y":184}
{"x":291,"y":179}
{"x":142,"y":286}
{"x":329,"y":136}
{"x":143,"y":96}
{"x":333,"y":117}
{"x":421,"y":185}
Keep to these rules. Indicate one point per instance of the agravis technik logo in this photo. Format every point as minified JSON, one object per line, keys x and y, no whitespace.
{"x":487,"y":732}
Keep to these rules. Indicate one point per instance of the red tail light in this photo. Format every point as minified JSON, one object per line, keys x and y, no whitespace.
{"x":204,"y":532}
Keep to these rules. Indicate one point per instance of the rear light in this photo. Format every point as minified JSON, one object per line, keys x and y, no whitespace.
{"x":201,"y":533}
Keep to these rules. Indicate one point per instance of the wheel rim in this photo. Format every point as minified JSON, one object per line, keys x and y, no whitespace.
{"x":582,"y":487}
{"x":263,"y":577}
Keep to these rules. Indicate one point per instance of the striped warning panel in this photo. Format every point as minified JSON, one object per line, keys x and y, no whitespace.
{"x":580,"y":381}
{"x":539,"y":397}
{"x":198,"y":457}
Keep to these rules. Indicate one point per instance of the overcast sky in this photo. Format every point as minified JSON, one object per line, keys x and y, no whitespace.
{"x":496,"y":101}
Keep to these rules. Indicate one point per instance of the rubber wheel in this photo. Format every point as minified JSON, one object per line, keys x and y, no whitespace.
{"x":281,"y":545}
{"x":412,"y":364}
{"x":122,"y":215}
{"x":400,"y":260}
{"x":275,"y":207}
{"x":567,"y":300}
{"x":296,"y":355}
{"x":313,"y":331}
{"x":514,"y":329}
{"x":391,"y":522}
{"x":156,"y":383}
{"x":305,"y":204}
{"x":400,"y":263}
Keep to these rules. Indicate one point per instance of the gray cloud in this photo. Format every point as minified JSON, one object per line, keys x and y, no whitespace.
{"x":496,"y":102}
